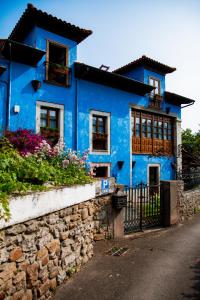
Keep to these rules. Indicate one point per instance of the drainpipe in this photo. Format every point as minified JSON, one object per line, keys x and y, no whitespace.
{"x":6,"y":83}
{"x":9,"y":90}
{"x":76,"y":116}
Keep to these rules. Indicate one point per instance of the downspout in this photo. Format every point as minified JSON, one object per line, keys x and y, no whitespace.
{"x":6,"y":83}
{"x":8,"y":91}
{"x":76,"y":116}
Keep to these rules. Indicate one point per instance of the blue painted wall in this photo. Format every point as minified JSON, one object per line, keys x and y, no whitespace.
{"x":140,"y":167}
{"x":22,"y":93}
{"x":90,"y":96}
{"x":93,"y":96}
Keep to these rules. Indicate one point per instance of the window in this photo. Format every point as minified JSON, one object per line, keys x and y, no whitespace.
{"x":101,"y":170}
{"x":151,"y":133}
{"x":155,"y":82}
{"x":155,"y":96}
{"x":100,"y":132}
{"x":56,"y":66}
{"x":49,"y":121}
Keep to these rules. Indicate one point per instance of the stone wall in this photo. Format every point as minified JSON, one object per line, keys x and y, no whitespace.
{"x":38,"y":255}
{"x":189,"y":201}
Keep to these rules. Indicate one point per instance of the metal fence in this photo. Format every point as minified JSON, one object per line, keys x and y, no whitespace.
{"x":191,"y":179}
{"x":143,"y":208}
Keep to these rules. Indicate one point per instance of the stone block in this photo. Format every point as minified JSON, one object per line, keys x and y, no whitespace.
{"x":64,"y":235}
{"x":32,"y":271}
{"x":27,"y":295}
{"x":84,"y":213}
{"x":53,"y":284}
{"x":41,"y":253}
{"x":99,"y":237}
{"x":18,"y":295}
{"x":66,"y":251}
{"x":53,"y":246}
{"x":42,"y":289}
{"x":15,"y":254}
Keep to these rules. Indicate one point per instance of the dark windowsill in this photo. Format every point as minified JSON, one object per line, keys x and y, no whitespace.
{"x":56,"y":84}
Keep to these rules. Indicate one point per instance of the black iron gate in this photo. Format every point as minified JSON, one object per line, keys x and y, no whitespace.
{"x":143,"y":208}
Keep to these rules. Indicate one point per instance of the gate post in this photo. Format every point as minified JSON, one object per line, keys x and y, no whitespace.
{"x":169,"y":207}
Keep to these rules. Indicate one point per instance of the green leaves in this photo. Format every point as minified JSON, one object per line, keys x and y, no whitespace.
{"x":22,"y":174}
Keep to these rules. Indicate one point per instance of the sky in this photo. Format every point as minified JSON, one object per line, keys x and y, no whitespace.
{"x":124,"y":30}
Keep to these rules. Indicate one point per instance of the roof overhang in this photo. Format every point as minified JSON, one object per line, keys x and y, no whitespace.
{"x":147,"y":63}
{"x":116,"y":81}
{"x":21,"y":53}
{"x":2,"y":69}
{"x":35,"y":17}
{"x":177,"y":99}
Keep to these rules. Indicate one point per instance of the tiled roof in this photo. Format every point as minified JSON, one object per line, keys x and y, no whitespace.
{"x":116,"y":81}
{"x":146,"y":62}
{"x":33,"y":16}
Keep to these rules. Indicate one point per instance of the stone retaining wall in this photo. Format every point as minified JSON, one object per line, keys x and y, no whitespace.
{"x":38,"y":255}
{"x":189,"y":201}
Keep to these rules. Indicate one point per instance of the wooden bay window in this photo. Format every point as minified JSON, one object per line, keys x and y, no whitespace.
{"x":152,"y":134}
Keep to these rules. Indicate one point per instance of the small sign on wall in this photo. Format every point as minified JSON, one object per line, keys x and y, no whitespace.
{"x":105,"y":186}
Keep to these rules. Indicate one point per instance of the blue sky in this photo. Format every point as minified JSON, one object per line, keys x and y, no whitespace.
{"x":168,"y":31}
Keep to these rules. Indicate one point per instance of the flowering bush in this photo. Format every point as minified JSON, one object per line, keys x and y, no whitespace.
{"x":25,"y":141}
{"x":37,"y":166}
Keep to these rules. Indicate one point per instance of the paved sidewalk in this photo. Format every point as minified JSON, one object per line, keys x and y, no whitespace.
{"x":164,"y":265}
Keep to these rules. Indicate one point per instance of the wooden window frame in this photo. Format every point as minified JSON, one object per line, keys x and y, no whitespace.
{"x":156,"y":143}
{"x":48,"y":62}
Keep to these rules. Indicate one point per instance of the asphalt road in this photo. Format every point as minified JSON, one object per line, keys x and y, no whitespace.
{"x":163,"y":265}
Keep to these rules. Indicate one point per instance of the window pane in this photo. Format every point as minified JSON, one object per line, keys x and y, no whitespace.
{"x":137,"y":121}
{"x":43,"y":123}
{"x":53,"y":124}
{"x":43,"y":113}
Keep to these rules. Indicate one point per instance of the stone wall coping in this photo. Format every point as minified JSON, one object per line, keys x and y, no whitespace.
{"x":31,"y":206}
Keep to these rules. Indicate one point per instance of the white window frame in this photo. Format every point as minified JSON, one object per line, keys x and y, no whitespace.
{"x":51,"y":105}
{"x":148,"y":167}
{"x":108,"y":165}
{"x":103,"y":114}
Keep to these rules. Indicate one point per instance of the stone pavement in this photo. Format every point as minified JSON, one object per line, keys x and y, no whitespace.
{"x":163,"y":265}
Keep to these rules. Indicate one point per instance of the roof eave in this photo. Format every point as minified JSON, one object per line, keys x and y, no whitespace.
{"x":96,"y":75}
{"x":177,"y":99}
{"x":33,"y":16}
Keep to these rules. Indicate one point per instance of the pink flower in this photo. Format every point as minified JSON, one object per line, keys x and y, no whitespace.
{"x":65,"y":163}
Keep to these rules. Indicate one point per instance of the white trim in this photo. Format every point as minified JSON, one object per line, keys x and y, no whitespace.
{"x":108,"y":165}
{"x":52,"y":105}
{"x":131,"y":158}
{"x":24,"y":208}
{"x":153,"y":165}
{"x":99,"y":113}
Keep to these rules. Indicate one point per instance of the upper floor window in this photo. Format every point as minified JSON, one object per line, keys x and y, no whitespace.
{"x":50,"y":121}
{"x":100,"y":132}
{"x":57,"y":70}
{"x":155,"y":96}
{"x":155,"y":82}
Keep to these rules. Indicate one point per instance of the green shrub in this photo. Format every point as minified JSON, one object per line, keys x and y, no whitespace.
{"x":45,"y":168}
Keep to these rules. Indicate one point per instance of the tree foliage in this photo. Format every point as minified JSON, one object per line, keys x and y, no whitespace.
{"x":191,"y":141}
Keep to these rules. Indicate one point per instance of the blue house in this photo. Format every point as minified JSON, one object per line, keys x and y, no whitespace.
{"x":126,"y":118}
